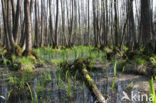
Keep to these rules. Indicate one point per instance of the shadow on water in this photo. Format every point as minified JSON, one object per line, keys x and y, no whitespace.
{"x":47,"y":87}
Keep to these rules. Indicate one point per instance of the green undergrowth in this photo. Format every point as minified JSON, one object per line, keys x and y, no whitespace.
{"x":139,"y":60}
{"x":56,"y":56}
{"x":152,"y":91}
{"x":17,"y":60}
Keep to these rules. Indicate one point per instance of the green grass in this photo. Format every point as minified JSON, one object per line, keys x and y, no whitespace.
{"x":49,"y":54}
{"x":31,"y":93}
{"x":140,"y":60}
{"x":27,"y":62}
{"x":152,"y":91}
{"x":69,"y":87}
{"x":115,"y":68}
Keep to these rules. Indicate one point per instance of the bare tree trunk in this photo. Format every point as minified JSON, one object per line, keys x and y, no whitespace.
{"x":116,"y":24}
{"x":71,"y":26}
{"x":50,"y":24}
{"x":56,"y":25}
{"x":13,"y":11}
{"x":27,"y":26}
{"x":6,"y":38}
{"x":145,"y":22}
{"x":42,"y":24}
{"x":94,"y":24}
{"x":63,"y":23}
{"x":88,"y":22}
{"x":16,"y":23}
{"x":11,"y":39}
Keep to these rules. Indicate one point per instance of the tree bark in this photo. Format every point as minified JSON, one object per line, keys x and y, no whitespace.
{"x":27,"y":25}
{"x":145,"y":22}
{"x":16,"y":23}
{"x":56,"y":25}
{"x":11,"y":39}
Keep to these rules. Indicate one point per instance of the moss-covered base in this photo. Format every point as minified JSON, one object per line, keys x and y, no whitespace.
{"x":16,"y":59}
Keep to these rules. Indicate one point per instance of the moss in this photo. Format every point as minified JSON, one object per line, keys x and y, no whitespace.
{"x":18,"y":50}
{"x":26,"y":64}
{"x":89,"y":78}
{"x":140,"y":60}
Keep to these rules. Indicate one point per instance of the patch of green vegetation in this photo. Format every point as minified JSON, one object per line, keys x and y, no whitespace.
{"x":69,"y":87}
{"x":115,"y":67}
{"x":113,"y":84}
{"x":33,"y":99}
{"x":59,"y":78}
{"x":18,"y":81}
{"x":49,"y":54}
{"x":152,"y":91}
{"x":140,"y":60}
{"x":26,"y":64}
{"x":153,"y":60}
{"x":131,"y":85}
{"x":56,"y":61}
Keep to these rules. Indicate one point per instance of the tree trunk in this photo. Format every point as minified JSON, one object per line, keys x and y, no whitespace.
{"x":145,"y":22}
{"x":56,"y":25}
{"x":6,"y":38}
{"x":11,"y":39}
{"x":27,"y":26}
{"x":16,"y":23}
{"x":116,"y":23}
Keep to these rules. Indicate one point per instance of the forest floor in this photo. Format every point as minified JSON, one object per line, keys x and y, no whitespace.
{"x":112,"y":73}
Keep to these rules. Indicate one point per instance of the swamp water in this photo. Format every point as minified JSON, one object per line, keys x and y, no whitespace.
{"x":49,"y":86}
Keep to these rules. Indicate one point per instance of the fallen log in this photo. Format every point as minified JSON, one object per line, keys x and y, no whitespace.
{"x":82,"y":65}
{"x":92,"y":87}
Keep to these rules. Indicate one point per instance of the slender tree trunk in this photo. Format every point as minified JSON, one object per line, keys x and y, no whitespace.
{"x":56,"y":25}
{"x":11,"y":39}
{"x":6,"y":37}
{"x":116,"y":23}
{"x":16,"y":23}
{"x":145,"y":22}
{"x":13,"y":11}
{"x":27,"y":25}
{"x":88,"y":22}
